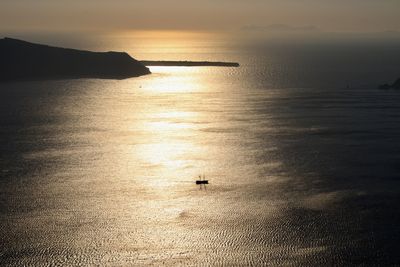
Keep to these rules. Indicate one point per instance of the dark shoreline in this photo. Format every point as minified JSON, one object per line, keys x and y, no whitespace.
{"x":23,"y":61}
{"x":189,"y":63}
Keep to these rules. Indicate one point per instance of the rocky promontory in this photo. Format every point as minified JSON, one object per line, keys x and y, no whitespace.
{"x":21,"y":60}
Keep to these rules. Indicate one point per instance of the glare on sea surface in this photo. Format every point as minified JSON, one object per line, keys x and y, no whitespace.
{"x":123,"y":166}
{"x":164,"y":45}
{"x":174,"y":80}
{"x":170,"y":147}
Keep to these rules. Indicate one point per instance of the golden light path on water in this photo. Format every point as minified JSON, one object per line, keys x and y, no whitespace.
{"x":170,"y":128}
{"x":102,"y":172}
{"x":117,"y":167}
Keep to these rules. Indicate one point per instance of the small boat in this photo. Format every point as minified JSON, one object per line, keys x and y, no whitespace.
{"x":202,"y":180}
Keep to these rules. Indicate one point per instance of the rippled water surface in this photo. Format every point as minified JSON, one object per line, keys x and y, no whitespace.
{"x":101,"y":172}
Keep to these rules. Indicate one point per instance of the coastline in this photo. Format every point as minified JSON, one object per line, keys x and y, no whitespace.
{"x":172,"y":63}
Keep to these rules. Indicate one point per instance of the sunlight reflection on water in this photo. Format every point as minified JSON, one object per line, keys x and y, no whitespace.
{"x":103,"y":172}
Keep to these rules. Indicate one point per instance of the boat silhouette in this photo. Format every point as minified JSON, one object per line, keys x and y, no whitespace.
{"x":202,"y":181}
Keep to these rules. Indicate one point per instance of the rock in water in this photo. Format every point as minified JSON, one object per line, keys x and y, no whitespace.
{"x":20,"y":60}
{"x":396,"y":84}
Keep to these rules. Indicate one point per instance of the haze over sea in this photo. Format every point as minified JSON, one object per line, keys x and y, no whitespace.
{"x":301,"y":150}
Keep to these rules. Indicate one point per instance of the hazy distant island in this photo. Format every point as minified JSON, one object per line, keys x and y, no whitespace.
{"x":190,"y":63}
{"x":21,"y":60}
{"x":395,"y":85}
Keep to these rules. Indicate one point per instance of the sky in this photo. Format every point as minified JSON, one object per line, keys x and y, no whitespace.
{"x":205,"y":15}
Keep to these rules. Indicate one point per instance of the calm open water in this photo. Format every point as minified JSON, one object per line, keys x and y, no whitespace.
{"x":301,"y":150}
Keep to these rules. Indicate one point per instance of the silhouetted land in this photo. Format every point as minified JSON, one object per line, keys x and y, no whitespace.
{"x":395,"y":85}
{"x":22,"y":60}
{"x":189,"y":63}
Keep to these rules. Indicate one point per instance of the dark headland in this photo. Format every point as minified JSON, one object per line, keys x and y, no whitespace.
{"x":20,"y":60}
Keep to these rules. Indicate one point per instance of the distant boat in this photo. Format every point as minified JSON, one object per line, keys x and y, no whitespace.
{"x":202,"y":180}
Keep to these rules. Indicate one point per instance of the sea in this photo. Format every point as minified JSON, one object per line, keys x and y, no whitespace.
{"x":300,"y":148}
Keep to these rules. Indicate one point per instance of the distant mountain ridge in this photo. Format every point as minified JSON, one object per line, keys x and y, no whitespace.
{"x":21,"y":60}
